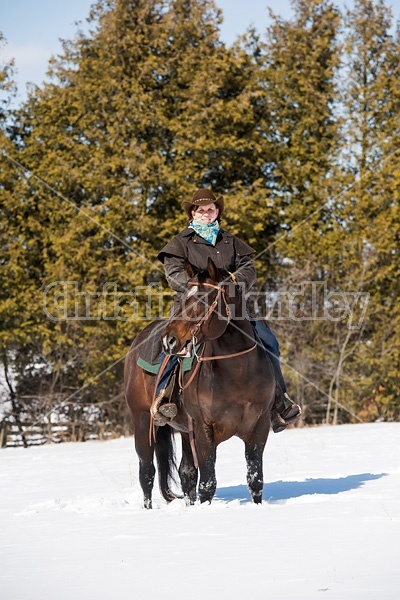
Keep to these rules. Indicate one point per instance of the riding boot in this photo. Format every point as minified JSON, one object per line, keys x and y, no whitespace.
{"x":284,"y":411}
{"x":168,"y":409}
{"x":277,"y":423}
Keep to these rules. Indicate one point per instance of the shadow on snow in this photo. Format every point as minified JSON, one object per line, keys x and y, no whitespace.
{"x":284,"y":490}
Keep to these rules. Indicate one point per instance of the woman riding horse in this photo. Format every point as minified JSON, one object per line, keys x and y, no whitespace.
{"x":203,"y":239}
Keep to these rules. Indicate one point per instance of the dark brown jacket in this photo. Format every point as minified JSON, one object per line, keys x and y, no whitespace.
{"x":229,"y":254}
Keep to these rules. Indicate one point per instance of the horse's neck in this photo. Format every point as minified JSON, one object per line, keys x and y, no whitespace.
{"x":243,"y":327}
{"x":239,"y":334}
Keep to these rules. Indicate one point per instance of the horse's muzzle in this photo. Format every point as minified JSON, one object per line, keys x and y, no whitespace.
{"x":170,"y":344}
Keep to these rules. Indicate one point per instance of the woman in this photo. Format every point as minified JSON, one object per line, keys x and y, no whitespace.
{"x":203,"y":238}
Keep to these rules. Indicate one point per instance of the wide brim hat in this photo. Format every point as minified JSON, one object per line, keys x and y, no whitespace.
{"x":202,"y":197}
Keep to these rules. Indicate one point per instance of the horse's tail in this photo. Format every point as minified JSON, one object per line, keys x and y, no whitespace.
{"x":167,"y":469}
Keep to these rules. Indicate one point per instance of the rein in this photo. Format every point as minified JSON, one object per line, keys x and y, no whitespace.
{"x":201,"y":359}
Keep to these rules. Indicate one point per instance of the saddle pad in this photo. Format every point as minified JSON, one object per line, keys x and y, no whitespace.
{"x":187,"y":364}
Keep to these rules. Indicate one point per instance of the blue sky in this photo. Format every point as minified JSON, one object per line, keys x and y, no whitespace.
{"x":33,"y":28}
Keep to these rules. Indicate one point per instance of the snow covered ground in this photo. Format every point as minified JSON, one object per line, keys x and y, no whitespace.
{"x":72,"y":523}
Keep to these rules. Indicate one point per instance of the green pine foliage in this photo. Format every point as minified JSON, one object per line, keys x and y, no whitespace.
{"x":371,"y":210}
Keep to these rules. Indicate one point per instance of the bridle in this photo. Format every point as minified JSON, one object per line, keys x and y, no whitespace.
{"x":221,"y":293}
{"x":194,"y":331}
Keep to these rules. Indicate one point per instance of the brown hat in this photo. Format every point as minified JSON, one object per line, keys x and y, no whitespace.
{"x":201,"y":197}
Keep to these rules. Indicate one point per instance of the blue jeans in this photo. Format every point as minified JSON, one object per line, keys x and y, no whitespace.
{"x":271,"y":346}
{"x":167,"y":371}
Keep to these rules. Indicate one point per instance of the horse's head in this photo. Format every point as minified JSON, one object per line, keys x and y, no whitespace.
{"x":206,"y":308}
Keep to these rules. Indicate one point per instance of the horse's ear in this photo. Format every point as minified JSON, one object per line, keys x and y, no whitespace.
{"x":212,"y":270}
{"x":190,"y":269}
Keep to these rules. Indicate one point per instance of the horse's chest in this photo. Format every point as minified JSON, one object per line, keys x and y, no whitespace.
{"x":225,"y":403}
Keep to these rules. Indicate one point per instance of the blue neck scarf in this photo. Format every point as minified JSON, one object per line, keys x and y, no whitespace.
{"x":208,"y":231}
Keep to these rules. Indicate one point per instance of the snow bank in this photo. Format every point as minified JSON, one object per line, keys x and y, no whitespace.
{"x":72,"y":523}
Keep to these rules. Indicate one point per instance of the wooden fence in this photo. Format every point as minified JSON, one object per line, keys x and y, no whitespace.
{"x":37,"y":434}
{"x":83,"y":422}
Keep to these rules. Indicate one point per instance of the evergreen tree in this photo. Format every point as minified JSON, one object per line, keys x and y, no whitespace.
{"x":371,"y":210}
{"x":301,"y":60}
{"x":299,"y":67}
{"x":17,"y":261}
{"x":126,"y":129}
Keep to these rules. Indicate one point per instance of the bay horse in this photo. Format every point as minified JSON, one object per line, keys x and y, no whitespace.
{"x":229,"y":392}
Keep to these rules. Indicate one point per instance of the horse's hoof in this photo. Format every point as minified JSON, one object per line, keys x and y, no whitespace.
{"x":190,"y":500}
{"x":169,"y":410}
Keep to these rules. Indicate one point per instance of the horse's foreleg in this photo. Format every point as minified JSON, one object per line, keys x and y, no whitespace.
{"x":145,"y":452}
{"x":206,"y":454}
{"x":254,"y":449}
{"x":187,"y":471}
{"x":255,"y":479}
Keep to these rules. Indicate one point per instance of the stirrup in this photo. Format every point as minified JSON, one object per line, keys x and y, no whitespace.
{"x":161,"y":413}
{"x":156,"y":404}
{"x":161,"y":409}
